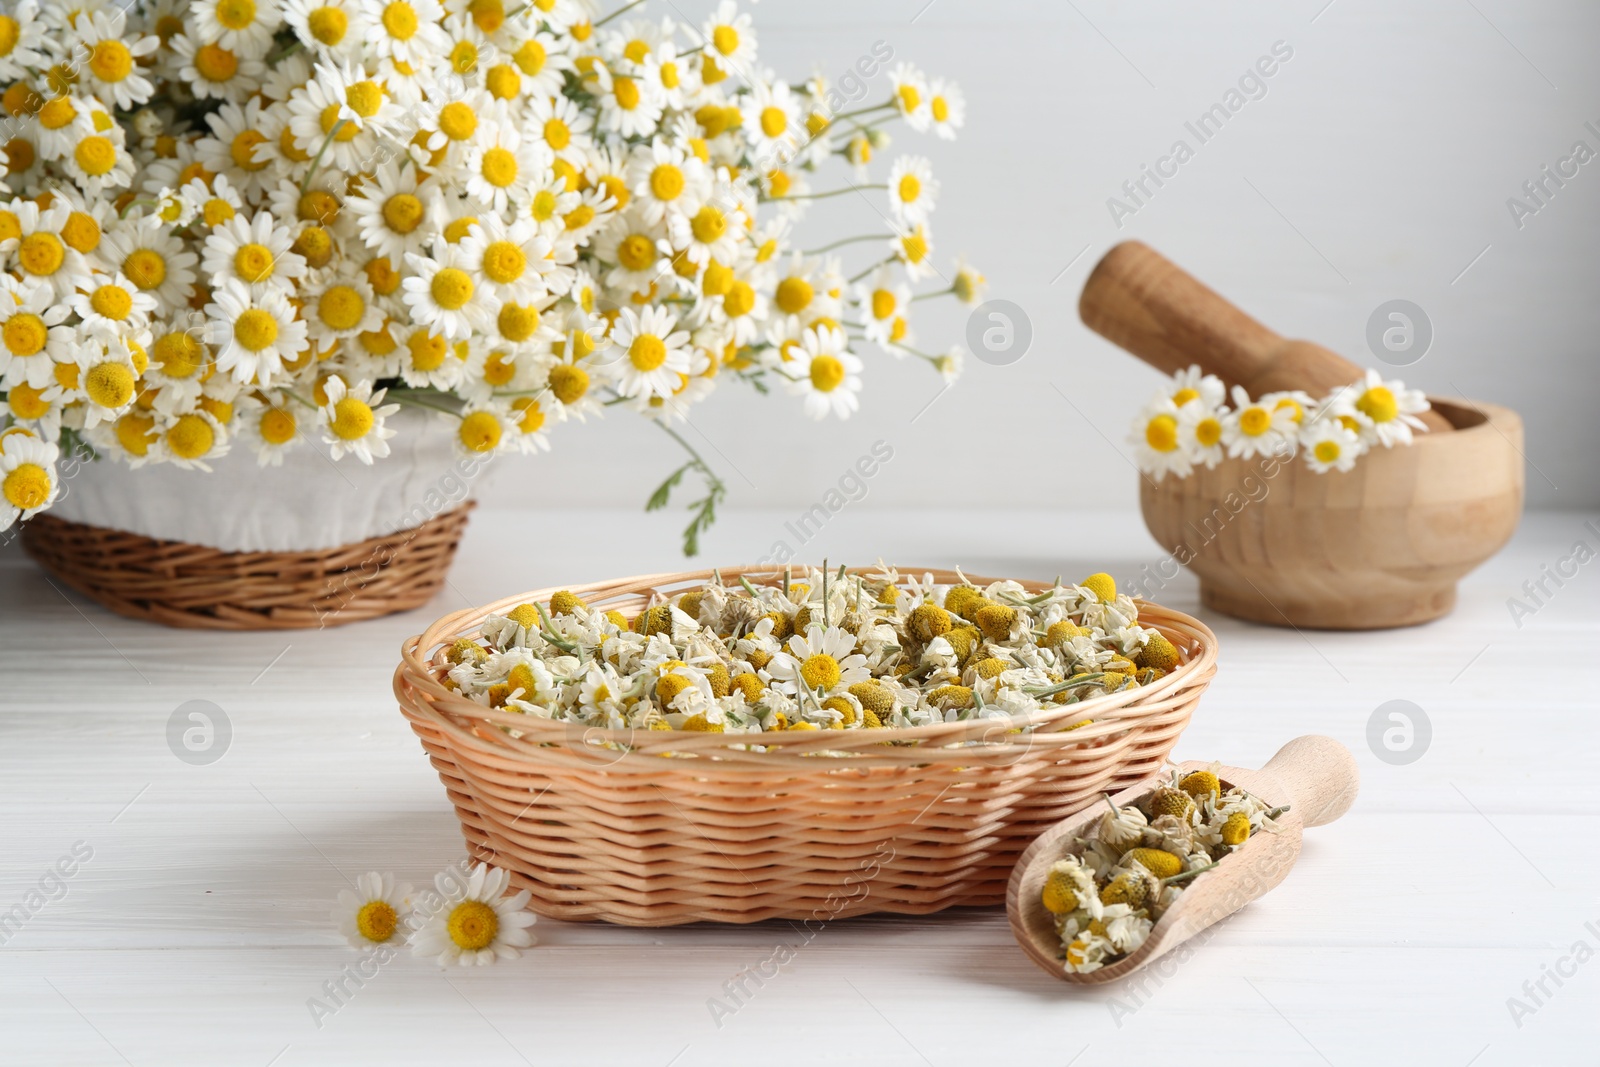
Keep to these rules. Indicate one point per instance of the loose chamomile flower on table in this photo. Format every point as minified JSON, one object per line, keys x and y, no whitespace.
{"x":353,"y":420}
{"x":1254,"y":429}
{"x":912,"y":189}
{"x":373,"y":913}
{"x":478,"y":923}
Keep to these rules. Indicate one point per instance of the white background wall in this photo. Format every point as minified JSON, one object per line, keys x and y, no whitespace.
{"x":1377,"y":166}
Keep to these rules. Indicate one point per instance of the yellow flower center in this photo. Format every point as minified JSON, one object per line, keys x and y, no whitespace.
{"x":178,"y":355}
{"x":1183,"y":396}
{"x":277,"y":426}
{"x":1255,"y":421}
{"x":504,"y":262}
{"x":352,"y":419}
{"x":1289,"y":403}
{"x":517,"y":322}
{"x":914,"y":246}
{"x":376,"y":921}
{"x":666,"y":182}
{"x":579,"y":217}
{"x":480,"y":431}
{"x":111,"y":61}
{"x":341,"y":308}
{"x":1208,"y":432}
{"x":328,"y":25}
{"x":458,"y":121}
{"x":636,"y":251}
{"x":794,"y":295}
{"x":725,"y":39}
{"x":530,"y":56}
{"x":910,"y":98}
{"x":191,"y":437}
{"x":543,"y":206}
{"x":820,"y":671}
{"x":135,"y":433}
{"x":96,"y":155}
{"x":255,"y":329}
{"x":109,"y":384}
{"x":253,"y":262}
{"x":402,"y":212}
{"x":112,"y":302}
{"x":455,"y":230}
{"x":473,"y":925}
{"x":1326,"y":451}
{"x":27,"y":487}
{"x":1161,"y":433}
{"x":626,"y":93}
{"x":236,"y":14}
{"x":941,"y":109}
{"x":400,"y":20}
{"x":1378,"y":404}
{"x":647,"y":352}
{"x":364,"y":98}
{"x":464,"y":57}
{"x":499,"y":167}
{"x":883,"y":303}
{"x":708,"y":224}
{"x":556,"y":134}
{"x":532,"y":417}
{"x":42,"y":253}
{"x":10,"y":34}
{"x":58,"y":113}
{"x":145,"y":268}
{"x":24,"y":334}
{"x":773,"y":121}
{"x":451,"y":288}
{"x":343,"y":130}
{"x":670,"y":78}
{"x":739,"y":300}
{"x":778,"y":182}
{"x":503,"y":81}
{"x":568,"y":383}
{"x":910,"y":188}
{"x":826,"y":373}
{"x":215,"y":63}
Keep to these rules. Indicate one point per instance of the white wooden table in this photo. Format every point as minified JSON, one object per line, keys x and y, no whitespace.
{"x":198,"y":929}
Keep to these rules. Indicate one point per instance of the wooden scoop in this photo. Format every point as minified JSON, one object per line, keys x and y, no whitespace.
{"x":1316,"y":776}
{"x":1141,"y":300}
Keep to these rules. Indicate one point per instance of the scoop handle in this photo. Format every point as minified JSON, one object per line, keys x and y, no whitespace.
{"x":1318,"y":775}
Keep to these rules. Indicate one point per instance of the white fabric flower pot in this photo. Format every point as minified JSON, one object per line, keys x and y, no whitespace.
{"x":310,"y":503}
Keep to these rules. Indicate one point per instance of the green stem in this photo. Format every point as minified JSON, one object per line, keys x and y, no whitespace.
{"x":403,"y":396}
{"x":824,"y":196}
{"x":842,"y":242}
{"x":870,"y":269}
{"x":935,"y":293}
{"x":316,"y":160}
{"x":863,"y":110}
{"x":619,"y":11}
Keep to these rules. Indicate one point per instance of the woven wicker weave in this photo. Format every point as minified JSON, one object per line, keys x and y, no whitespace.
{"x":196,"y":587}
{"x":626,"y":827}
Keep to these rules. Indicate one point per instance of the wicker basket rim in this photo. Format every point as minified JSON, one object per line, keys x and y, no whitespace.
{"x":448,"y":708}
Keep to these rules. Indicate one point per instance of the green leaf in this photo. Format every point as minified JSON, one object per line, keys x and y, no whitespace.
{"x":663,"y":493}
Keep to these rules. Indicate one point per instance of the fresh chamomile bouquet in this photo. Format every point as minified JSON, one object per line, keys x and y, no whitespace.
{"x":256,"y":222}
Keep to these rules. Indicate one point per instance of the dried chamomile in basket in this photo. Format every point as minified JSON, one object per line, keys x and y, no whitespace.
{"x":812,"y":650}
{"x":1110,"y":892}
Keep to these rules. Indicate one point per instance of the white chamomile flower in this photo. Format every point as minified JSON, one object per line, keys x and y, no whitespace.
{"x":333,"y":28}
{"x":238,"y":146}
{"x":501,"y":166}
{"x":153,"y":258}
{"x":32,"y":337}
{"x":111,"y":304}
{"x":244,"y":26}
{"x":212,"y":205}
{"x":404,"y":30}
{"x":1200,"y":432}
{"x":214,"y":72}
{"x":270,"y":430}
{"x":444,"y":294}
{"x":107,"y":380}
{"x":730,"y":36}
{"x":712,"y":232}
{"x":479,"y":923}
{"x":822,"y":661}
{"x":1330,"y":445}
{"x":22,"y":41}
{"x":885,"y":307}
{"x":648,"y":352}
{"x":512,"y":258}
{"x":189,"y":439}
{"x":909,"y":91}
{"x":483,"y":429}
{"x":1158,"y":446}
{"x":28,"y":480}
{"x":58,"y":125}
{"x":913,"y":249}
{"x":253,"y":332}
{"x":254,"y":251}
{"x":341,"y":306}
{"x":112,"y":72}
{"x":38,"y":249}
{"x":771,"y":123}
{"x":339,"y":115}
{"x":637,"y":248}
{"x":371,"y":915}
{"x":353,"y":420}
{"x":912,"y":188}
{"x":629,"y":106}
{"x":561,"y":124}
{"x":1388,"y":408}
{"x":947,"y":108}
{"x":825,"y":373}
{"x":100,"y":163}
{"x":1254,"y":429}
{"x":1191,"y":384}
{"x":393,"y":211}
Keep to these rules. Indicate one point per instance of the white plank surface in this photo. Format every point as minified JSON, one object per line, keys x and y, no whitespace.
{"x":199,"y":928}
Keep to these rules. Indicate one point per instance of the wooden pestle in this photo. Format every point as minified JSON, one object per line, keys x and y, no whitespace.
{"x":1147,"y":304}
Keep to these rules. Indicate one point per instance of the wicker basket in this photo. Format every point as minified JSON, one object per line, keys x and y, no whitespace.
{"x":661,"y":828}
{"x":196,"y":587}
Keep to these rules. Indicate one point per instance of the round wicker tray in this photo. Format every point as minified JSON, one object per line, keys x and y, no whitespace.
{"x":656,"y":828}
{"x":196,"y":587}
